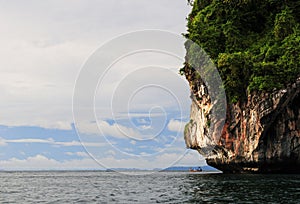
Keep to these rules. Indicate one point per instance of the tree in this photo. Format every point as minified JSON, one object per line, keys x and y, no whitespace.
{"x":255,"y":44}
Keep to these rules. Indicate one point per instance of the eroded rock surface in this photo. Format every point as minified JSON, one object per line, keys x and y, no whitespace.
{"x":261,"y":134}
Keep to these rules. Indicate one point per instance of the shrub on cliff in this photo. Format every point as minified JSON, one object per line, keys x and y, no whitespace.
{"x":255,"y":44}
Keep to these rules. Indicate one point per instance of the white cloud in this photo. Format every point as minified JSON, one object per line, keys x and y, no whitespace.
{"x":44,"y":44}
{"x":129,"y":150}
{"x":111,"y":152}
{"x":30,"y":81}
{"x":22,"y":153}
{"x":114,"y":130}
{"x":41,"y":162}
{"x":77,"y":143}
{"x":80,"y":154}
{"x":2,"y":142}
{"x":50,"y":141}
{"x":191,"y":158}
{"x":176,"y":125}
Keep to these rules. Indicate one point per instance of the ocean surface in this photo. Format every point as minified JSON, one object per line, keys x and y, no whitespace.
{"x":163,"y":187}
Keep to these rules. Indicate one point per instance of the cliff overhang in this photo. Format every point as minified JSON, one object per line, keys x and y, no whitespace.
{"x":260,"y":134}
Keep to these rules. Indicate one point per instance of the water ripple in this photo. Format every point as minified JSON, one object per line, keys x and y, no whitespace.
{"x":164,"y":187}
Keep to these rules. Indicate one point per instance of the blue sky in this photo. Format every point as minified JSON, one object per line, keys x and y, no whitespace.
{"x":46,"y":45}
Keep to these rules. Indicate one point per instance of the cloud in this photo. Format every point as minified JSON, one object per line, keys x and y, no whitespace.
{"x":45,"y":44}
{"x":111,"y":152}
{"x":41,"y":162}
{"x":176,"y":125}
{"x":50,"y":141}
{"x":77,"y":143}
{"x":31,"y":83}
{"x":191,"y":158}
{"x":113,"y":130}
{"x":79,"y":154}
{"x":2,"y":142}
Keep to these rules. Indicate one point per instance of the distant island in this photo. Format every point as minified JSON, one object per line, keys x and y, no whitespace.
{"x":172,"y":168}
{"x":255,"y":46}
{"x":188,"y":168}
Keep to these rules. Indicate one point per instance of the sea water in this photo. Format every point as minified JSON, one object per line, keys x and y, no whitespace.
{"x":161,"y":187}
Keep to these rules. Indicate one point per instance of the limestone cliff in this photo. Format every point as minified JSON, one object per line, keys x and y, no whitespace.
{"x":255,"y":47}
{"x":261,"y":134}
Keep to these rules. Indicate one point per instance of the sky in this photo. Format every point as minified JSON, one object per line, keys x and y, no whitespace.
{"x":61,"y":108}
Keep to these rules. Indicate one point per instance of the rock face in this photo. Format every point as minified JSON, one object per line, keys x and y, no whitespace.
{"x":261,"y":134}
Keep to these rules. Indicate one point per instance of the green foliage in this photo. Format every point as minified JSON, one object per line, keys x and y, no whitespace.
{"x":284,"y":23}
{"x":234,"y":67}
{"x":266,"y":82}
{"x":255,"y":44}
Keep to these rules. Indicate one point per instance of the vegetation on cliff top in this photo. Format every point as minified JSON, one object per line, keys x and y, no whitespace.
{"x":255,"y":44}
